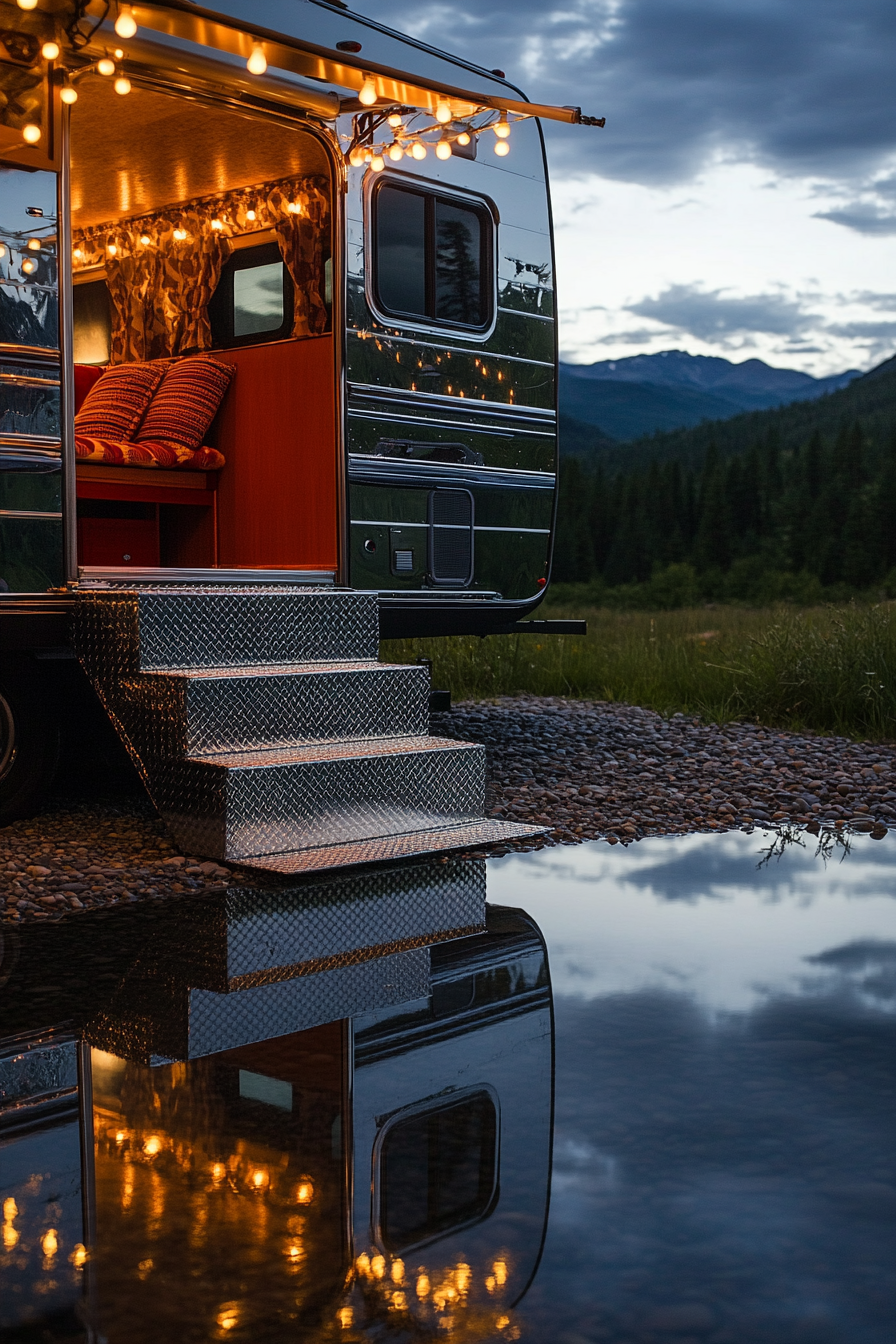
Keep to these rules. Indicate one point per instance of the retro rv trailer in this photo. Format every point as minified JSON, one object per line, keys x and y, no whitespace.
{"x":361,"y":1138}
{"x":276,"y":314}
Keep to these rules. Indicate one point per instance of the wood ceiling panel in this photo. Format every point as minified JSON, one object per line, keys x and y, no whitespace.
{"x":148,"y":150}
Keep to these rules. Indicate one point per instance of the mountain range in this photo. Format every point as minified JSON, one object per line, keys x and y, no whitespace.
{"x":642,"y":394}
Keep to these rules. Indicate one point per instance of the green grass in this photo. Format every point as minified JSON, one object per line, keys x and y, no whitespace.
{"x":826,"y":669}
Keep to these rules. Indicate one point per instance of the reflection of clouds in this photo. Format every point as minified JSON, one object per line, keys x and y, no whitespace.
{"x":730,"y":1178}
{"x":867,"y":967}
{"x":697,"y":910}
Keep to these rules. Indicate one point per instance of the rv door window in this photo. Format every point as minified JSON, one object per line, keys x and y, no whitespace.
{"x":438,"y":1171}
{"x":254,"y":298}
{"x":432,"y":257}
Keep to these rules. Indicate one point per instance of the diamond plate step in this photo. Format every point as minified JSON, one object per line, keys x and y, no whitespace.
{"x":201,"y":712}
{"x":386,"y":848}
{"x":157,"y":630}
{"x":238,"y":804}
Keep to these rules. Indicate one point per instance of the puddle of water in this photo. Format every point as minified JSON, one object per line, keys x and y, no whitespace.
{"x":642,"y":1095}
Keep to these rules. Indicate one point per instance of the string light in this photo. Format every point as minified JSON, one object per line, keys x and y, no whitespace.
{"x":2,"y":255}
{"x":356,"y":157}
{"x":49,"y":1242}
{"x":31,"y":133}
{"x":33,"y":244}
{"x":394,"y":119}
{"x":118,"y":54}
{"x":105,"y":67}
{"x":257,"y":62}
{"x":501,"y":127}
{"x":443,"y":111}
{"x":112,"y":250}
{"x":419,"y":150}
{"x":217,"y":224}
{"x":367,"y":94}
{"x":180,"y":234}
{"x":68,"y":93}
{"x":28,"y":266}
{"x":294,"y":207}
{"x":443,"y":149}
{"x":501,"y":148}
{"x":377,"y":163}
{"x":463,"y":138}
{"x":250,"y":215}
{"x":396,"y":153}
{"x":27,"y":4}
{"x":125,"y":24}
{"x":49,"y":51}
{"x":122,"y":85}
{"x":145,"y":239}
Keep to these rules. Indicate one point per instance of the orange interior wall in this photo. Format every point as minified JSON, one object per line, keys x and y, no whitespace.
{"x":277,"y":496}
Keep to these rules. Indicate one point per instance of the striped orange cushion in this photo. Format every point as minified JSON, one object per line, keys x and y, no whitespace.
{"x":186,"y":402}
{"x":115,"y":405}
{"x":113,"y":453}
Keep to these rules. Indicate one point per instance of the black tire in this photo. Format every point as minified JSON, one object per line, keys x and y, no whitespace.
{"x":29,"y":739}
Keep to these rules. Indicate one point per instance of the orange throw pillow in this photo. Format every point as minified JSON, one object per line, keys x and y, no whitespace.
{"x":186,"y":402}
{"x":115,"y":405}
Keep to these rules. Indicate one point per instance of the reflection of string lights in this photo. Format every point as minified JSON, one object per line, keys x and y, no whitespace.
{"x":152,"y":1145}
{"x":49,"y":1243}
{"x":456,"y":126}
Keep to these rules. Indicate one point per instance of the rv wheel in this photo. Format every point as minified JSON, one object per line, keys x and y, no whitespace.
{"x":29,"y":741}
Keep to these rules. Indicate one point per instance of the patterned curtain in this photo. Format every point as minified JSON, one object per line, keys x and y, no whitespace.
{"x":162,"y":269}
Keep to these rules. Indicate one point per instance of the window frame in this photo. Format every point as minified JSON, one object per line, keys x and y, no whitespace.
{"x":240,"y":260}
{"x":431,"y":1105}
{"x":431,"y":192}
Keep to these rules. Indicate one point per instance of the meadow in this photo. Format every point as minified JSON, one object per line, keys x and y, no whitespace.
{"x":828,"y":669}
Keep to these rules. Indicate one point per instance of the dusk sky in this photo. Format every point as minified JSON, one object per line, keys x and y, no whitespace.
{"x":741,"y":200}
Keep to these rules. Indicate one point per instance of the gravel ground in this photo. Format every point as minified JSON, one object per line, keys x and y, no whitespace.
{"x":584,"y":769}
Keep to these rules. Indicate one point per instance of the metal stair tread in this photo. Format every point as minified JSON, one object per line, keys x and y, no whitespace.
{"x":385,"y":848}
{"x":341,"y":750}
{"x":278,"y":669}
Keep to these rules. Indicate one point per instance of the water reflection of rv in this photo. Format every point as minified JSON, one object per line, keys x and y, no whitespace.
{"x":389,"y":1168}
{"x":263,"y":327}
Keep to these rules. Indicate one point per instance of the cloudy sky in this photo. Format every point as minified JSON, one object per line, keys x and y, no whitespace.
{"x":741,"y":200}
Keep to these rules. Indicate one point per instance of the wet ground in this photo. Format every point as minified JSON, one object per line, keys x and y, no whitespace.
{"x":589,"y":1093}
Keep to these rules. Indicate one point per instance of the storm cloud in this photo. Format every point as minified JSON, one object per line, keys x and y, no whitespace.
{"x":803,"y":91}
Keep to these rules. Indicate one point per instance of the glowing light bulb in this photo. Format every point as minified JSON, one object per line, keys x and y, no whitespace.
{"x":228,"y":1316}
{"x":27,"y":4}
{"x":49,"y":1242}
{"x":78,"y":1256}
{"x":294,"y":207}
{"x":118,"y":54}
{"x":463,"y":138}
{"x":49,"y":51}
{"x":112,"y":250}
{"x":33,"y":244}
{"x":378,"y":1266}
{"x":10,"y":1207}
{"x":345,"y":1316}
{"x":122,"y":85}
{"x":31,"y":133}
{"x":419,"y":150}
{"x":377,"y":163}
{"x":423,"y":1286}
{"x":394,"y":119}
{"x":443,"y":150}
{"x":78,"y":254}
{"x":397,"y":1271}
{"x":219,"y":1171}
{"x":145,"y":241}
{"x":106,"y":66}
{"x":68,"y":94}
{"x":10,"y":1236}
{"x":367,"y":94}
{"x":257,"y":62}
{"x":28,"y":266}
{"x":396,"y":153}
{"x":120,"y":1135}
{"x":217,"y":225}
{"x":250,"y":215}
{"x":125,"y":24}
{"x":356,"y":157}
{"x":180,"y":234}
{"x":443,"y":111}
{"x":501,"y":127}
{"x":305,"y":1193}
{"x":501,"y":148}
{"x":153,"y":1144}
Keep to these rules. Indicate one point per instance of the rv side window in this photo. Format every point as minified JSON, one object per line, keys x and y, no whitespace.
{"x":438,"y":1171}
{"x":254,"y":298}
{"x":432,"y":257}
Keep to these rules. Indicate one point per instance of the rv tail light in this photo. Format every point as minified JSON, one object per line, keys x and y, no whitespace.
{"x":257,"y":62}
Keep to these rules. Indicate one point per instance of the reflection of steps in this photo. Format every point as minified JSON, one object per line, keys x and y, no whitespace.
{"x":267,"y":732}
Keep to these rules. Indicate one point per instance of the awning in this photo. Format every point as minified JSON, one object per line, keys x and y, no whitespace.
{"x":193,"y":23}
